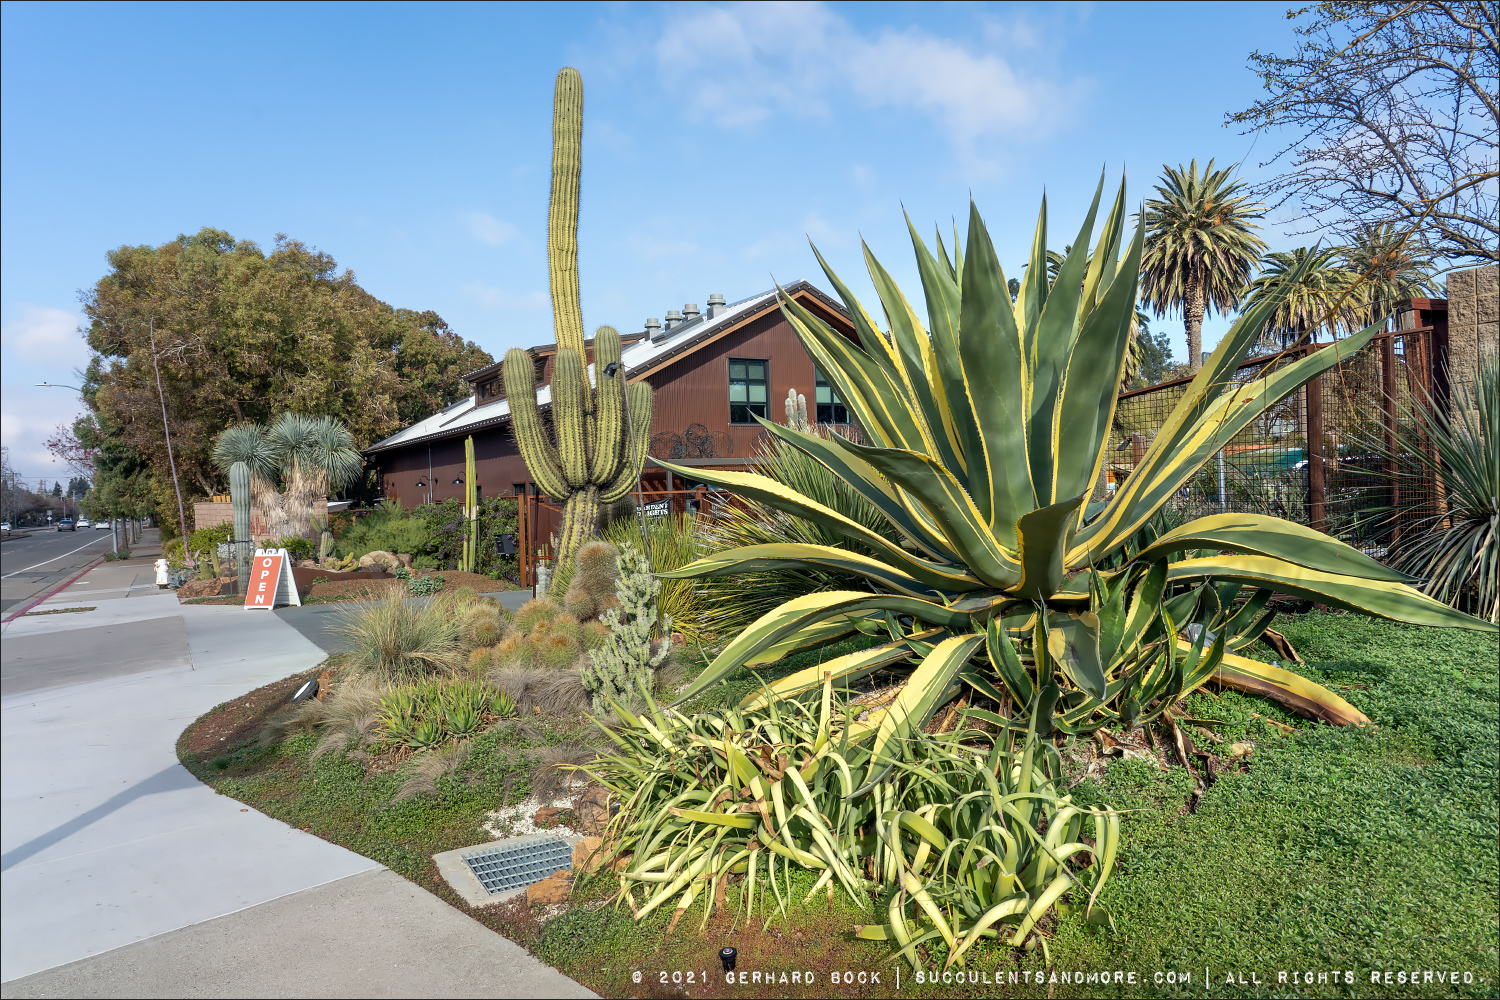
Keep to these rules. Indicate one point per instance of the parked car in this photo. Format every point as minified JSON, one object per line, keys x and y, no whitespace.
{"x":4,"y":525}
{"x":104,"y":525}
{"x":66,"y":524}
{"x":84,"y":522}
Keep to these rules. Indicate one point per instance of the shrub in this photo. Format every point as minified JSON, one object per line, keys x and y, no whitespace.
{"x":397,"y":640}
{"x":424,"y":586}
{"x":388,"y":528}
{"x":209,"y":539}
{"x":296,"y":547}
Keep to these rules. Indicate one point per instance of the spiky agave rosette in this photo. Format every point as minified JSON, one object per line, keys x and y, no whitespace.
{"x":988,"y":429}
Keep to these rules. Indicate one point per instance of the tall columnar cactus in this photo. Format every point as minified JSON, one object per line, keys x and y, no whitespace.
{"x":239,"y":495}
{"x":589,"y":455}
{"x":470,"y":562}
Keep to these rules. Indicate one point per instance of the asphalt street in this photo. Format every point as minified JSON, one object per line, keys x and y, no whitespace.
{"x":42,"y":559}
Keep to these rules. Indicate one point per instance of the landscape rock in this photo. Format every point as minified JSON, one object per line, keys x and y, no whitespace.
{"x":379,"y":559}
{"x":1240,"y":749}
{"x":405,"y":558}
{"x":308,"y":564}
{"x":591,"y":811}
{"x":546,"y":817}
{"x":588,"y":854}
{"x":550,"y":890}
{"x":199,"y":588}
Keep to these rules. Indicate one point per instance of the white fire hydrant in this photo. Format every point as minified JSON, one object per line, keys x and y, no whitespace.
{"x":162,"y":573}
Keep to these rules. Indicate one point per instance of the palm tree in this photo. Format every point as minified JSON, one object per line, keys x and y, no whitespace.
{"x":1323,"y":295}
{"x":1200,"y":247}
{"x":310,"y":456}
{"x":1392,"y":265}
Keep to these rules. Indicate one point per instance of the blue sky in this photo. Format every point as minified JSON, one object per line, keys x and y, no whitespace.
{"x":412,"y":143}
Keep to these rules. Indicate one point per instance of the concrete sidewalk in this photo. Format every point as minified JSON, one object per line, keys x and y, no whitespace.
{"x":122,"y":875}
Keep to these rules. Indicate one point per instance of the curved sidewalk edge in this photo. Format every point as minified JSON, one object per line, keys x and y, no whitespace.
{"x":372,"y":934}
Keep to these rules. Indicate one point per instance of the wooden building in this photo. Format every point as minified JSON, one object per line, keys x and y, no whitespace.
{"x":712,"y":371}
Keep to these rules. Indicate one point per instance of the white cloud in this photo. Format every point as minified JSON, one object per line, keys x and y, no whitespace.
{"x":489,"y":230}
{"x":42,"y":334}
{"x":499,"y":298}
{"x":740,"y":65}
{"x":28,"y":417}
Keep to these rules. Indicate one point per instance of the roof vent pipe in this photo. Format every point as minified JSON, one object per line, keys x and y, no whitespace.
{"x":673,"y":318}
{"x":716,"y":305}
{"x":653,"y":329}
{"x":690,"y":312}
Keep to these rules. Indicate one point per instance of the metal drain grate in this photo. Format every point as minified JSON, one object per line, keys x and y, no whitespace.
{"x":515,"y":866}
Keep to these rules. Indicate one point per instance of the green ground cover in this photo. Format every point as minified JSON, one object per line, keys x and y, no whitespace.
{"x":1331,"y":850}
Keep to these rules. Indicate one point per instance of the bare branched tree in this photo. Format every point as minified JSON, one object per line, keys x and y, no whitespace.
{"x":1395,"y":117}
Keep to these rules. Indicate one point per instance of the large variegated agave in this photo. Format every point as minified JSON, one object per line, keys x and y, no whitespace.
{"x":988,"y":429}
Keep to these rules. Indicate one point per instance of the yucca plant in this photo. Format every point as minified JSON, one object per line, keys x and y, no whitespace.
{"x":1455,"y":552}
{"x":988,"y":433}
{"x":975,"y":842}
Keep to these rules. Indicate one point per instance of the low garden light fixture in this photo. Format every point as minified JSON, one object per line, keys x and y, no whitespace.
{"x":306,"y":691}
{"x":727,"y":957}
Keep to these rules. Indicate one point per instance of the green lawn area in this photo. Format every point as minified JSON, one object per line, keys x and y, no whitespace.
{"x":1334,"y":850}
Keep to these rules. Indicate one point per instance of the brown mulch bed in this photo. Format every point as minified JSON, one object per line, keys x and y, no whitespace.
{"x":332,"y":591}
{"x":240,"y":719}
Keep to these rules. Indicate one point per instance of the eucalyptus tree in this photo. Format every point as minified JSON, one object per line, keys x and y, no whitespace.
{"x":1201,"y":247}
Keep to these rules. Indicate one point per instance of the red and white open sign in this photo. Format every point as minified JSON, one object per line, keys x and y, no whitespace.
{"x":271,"y":580}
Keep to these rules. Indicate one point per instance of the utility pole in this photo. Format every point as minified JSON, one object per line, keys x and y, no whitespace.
{"x":172,"y":462}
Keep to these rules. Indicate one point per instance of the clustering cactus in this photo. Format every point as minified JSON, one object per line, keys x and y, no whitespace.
{"x":239,"y":496}
{"x":794,"y":407}
{"x":589,"y":456}
{"x":543,"y":636}
{"x":592,"y":591}
{"x":623,"y":667}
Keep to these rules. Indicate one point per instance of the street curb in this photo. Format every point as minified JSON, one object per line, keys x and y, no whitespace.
{"x":18,"y":612}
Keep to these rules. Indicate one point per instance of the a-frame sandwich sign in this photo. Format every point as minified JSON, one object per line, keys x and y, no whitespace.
{"x":271,"y":580}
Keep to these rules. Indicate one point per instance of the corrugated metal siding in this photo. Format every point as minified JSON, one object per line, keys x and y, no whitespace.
{"x":694,"y":389}
{"x":496,"y":460}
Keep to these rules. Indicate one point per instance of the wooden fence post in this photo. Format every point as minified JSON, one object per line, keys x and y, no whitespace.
{"x":1388,"y":405}
{"x":1316,"y":494}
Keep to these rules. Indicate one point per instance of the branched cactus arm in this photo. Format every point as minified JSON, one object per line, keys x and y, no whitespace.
{"x":526,"y":418}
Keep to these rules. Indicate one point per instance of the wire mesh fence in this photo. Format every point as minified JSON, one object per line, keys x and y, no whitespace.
{"x":1316,"y":457}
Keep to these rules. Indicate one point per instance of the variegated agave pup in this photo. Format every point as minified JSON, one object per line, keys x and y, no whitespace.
{"x":988,"y":430}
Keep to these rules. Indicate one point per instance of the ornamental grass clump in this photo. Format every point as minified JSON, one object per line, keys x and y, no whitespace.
{"x":978,"y":840}
{"x":397,"y":640}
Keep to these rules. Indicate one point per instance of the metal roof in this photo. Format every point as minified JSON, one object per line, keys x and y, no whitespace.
{"x":639,"y":356}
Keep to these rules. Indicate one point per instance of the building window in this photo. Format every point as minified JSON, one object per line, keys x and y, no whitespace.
{"x":831,"y":409}
{"x":748,"y":394}
{"x":493,"y":389}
